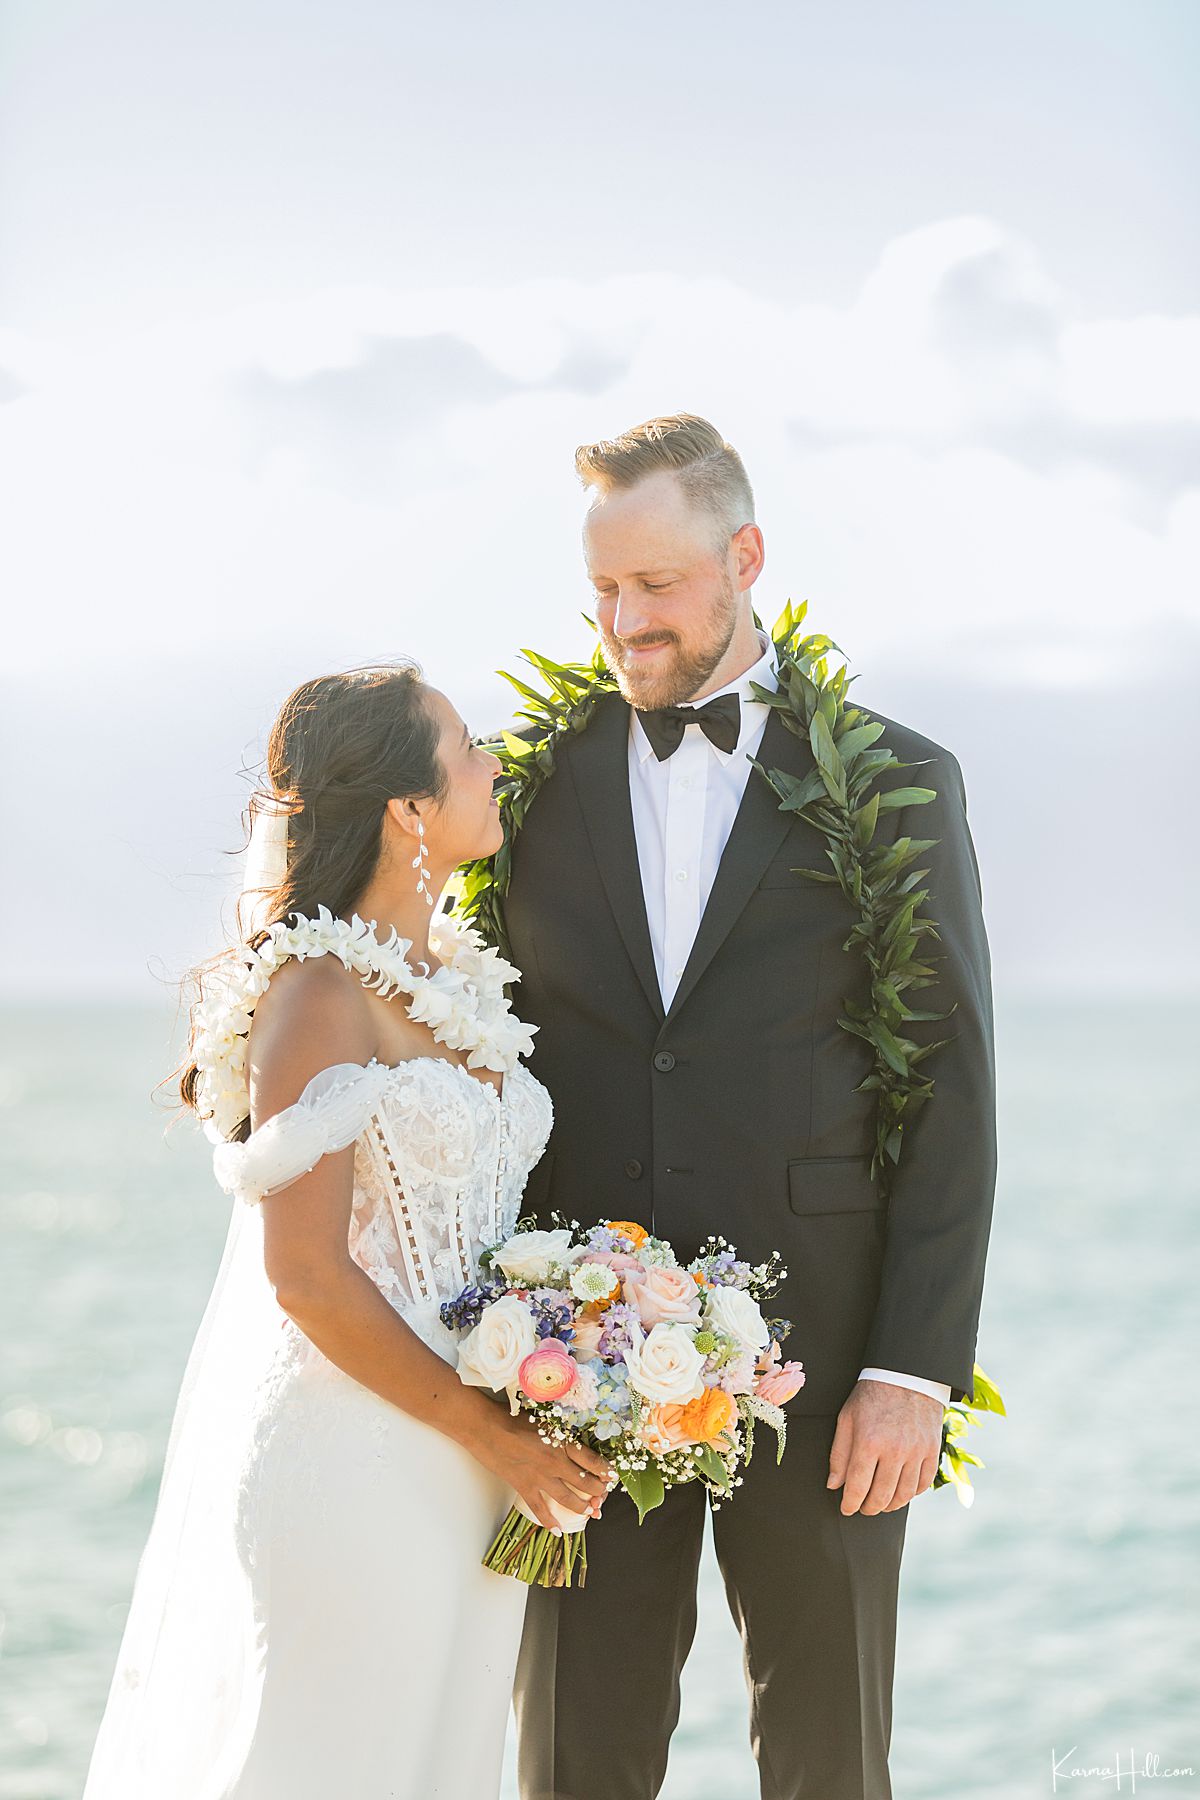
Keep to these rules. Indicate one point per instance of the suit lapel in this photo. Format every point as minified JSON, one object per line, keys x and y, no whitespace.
{"x":599,"y":765}
{"x":758,"y":833}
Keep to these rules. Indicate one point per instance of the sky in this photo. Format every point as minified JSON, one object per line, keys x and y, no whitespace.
{"x":303,"y":313}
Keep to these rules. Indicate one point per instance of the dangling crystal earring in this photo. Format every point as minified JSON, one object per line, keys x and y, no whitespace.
{"x":419,"y":863}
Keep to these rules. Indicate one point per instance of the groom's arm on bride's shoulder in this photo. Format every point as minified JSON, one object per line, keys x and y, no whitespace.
{"x":927,"y":1315}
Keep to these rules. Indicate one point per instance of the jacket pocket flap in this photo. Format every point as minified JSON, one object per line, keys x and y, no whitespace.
{"x":828,"y":1184}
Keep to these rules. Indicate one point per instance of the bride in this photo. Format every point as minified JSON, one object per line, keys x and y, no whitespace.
{"x":311,"y":1617}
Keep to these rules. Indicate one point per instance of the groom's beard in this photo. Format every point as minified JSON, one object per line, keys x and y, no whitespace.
{"x":679,"y":673}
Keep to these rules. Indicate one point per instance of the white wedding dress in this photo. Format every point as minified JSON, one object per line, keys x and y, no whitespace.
{"x":311,"y":1619}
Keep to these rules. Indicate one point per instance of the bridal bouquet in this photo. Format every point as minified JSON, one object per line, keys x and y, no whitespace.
{"x":605,"y":1339}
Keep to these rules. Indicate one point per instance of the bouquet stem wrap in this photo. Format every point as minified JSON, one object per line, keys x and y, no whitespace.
{"x":535,"y":1554}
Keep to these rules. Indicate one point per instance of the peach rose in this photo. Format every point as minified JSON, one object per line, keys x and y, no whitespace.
{"x":781,"y":1384}
{"x":548,"y":1372}
{"x":660,"y":1429}
{"x":705,"y":1418}
{"x":664,"y":1294}
{"x":588,"y":1333}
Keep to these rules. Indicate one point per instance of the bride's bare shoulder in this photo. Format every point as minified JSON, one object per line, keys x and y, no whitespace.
{"x":314,"y":1013}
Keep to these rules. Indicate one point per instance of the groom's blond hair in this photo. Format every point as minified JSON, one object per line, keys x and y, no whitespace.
{"x":710,"y":471}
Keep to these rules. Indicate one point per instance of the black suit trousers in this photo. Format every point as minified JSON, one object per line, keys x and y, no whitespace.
{"x":812,"y":1592}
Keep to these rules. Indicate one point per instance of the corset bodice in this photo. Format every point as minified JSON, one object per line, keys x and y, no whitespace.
{"x":439,"y":1172}
{"x":440,"y":1162}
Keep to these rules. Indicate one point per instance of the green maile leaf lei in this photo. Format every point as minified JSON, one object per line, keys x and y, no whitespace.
{"x":840,"y":799}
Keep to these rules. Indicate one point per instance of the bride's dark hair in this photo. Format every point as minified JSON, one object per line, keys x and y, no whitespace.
{"x":340,"y":749}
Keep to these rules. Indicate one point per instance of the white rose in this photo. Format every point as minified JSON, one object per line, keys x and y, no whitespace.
{"x":528,"y":1255}
{"x":664,"y":1365}
{"x":491,"y":1353}
{"x":736,"y":1313}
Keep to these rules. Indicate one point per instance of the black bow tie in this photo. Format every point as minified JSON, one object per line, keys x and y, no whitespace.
{"x":720,"y":720}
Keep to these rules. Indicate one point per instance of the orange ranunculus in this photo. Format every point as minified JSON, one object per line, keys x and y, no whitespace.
{"x":636,"y":1234}
{"x":698,"y":1278}
{"x":705,"y":1418}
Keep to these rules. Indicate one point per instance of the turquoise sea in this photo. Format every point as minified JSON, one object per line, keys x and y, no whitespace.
{"x":1058,"y":1619}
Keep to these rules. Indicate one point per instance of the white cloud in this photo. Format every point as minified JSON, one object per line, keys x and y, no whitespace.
{"x":1124,"y":371}
{"x":953,"y":449}
{"x":974,"y":489}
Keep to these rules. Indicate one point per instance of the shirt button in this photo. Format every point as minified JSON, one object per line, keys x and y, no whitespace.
{"x":633,"y":1168}
{"x":664,"y":1062}
{"x":681,"y":874}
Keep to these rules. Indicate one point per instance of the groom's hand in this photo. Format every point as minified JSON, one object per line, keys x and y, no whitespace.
{"x":886,"y":1446}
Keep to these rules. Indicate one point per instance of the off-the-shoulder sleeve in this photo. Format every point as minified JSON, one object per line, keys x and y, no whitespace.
{"x":334,"y":1107}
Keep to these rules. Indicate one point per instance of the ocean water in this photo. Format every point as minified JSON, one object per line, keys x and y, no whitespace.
{"x":1059,"y":1618}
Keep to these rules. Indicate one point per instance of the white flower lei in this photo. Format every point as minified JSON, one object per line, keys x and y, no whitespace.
{"x":463,"y":1002}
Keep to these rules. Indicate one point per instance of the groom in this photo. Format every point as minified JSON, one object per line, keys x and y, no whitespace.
{"x":687,"y":984}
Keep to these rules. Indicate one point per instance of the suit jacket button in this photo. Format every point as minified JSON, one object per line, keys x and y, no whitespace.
{"x":633,"y":1168}
{"x":663,"y":1061}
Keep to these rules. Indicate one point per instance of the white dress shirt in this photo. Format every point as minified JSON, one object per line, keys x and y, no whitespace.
{"x":683,"y":812}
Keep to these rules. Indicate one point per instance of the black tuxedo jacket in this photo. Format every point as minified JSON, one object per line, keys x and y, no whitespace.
{"x":734,"y":1112}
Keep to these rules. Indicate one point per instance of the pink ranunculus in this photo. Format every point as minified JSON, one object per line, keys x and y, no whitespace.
{"x":669,"y":1294}
{"x":588,"y":1333}
{"x":781,"y":1384}
{"x":548,"y":1372}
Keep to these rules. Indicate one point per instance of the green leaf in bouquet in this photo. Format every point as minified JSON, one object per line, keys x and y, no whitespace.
{"x":712,"y":1466}
{"x":645,"y":1488}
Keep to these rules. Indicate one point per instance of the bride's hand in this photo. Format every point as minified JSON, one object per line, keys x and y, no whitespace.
{"x":569,"y":1474}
